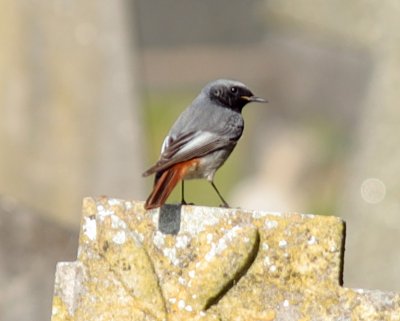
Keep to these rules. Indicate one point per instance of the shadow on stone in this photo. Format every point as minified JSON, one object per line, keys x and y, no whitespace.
{"x":169,"y":220}
{"x":240,"y":273}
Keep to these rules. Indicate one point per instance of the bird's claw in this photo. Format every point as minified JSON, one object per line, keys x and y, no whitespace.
{"x":185,"y":203}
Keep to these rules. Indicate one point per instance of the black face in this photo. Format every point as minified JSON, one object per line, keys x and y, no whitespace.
{"x":234,"y":97}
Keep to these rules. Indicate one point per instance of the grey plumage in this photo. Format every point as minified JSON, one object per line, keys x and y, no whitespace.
{"x":207,"y":130}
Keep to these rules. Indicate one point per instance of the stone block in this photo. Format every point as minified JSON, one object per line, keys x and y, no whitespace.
{"x":223,"y":264}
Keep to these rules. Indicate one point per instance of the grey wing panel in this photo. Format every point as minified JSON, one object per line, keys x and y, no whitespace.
{"x":190,"y":147}
{"x":207,"y":133}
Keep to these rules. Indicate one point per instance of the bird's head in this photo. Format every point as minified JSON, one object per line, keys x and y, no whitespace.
{"x":230,"y":94}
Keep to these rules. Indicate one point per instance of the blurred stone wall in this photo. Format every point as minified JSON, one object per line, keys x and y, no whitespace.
{"x":370,"y":200}
{"x":69,"y":124}
{"x":183,"y":23}
{"x":30,"y":248}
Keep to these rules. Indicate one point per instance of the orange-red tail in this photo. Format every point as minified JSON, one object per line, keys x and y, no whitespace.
{"x":164,"y":185}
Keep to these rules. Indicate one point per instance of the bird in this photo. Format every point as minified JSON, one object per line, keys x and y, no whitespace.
{"x":201,"y":139}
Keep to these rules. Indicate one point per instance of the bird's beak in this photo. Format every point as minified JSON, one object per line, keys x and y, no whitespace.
{"x":254,"y":99}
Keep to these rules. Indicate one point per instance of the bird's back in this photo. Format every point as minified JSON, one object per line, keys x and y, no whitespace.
{"x":205,"y":115}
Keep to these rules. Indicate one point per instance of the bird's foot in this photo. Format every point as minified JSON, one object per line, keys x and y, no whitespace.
{"x":183,"y":202}
{"x":225,"y":205}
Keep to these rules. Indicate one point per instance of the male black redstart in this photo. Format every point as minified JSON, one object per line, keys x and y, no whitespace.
{"x":201,"y":139}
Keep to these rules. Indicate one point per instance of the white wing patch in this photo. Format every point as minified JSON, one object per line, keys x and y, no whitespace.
{"x":201,"y":139}
{"x":166,"y":143}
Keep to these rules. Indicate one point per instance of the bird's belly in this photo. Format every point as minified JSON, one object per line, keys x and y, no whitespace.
{"x":207,"y":165}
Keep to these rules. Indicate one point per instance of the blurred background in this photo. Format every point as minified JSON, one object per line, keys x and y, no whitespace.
{"x":89,"y":89}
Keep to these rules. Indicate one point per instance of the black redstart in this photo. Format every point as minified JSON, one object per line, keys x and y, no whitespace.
{"x":201,"y":139}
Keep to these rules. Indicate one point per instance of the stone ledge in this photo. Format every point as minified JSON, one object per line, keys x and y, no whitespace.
{"x":223,"y":264}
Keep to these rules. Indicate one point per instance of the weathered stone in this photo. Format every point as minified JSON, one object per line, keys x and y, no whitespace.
{"x":224,"y":264}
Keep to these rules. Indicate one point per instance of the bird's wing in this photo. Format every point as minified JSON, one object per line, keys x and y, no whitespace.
{"x":192,"y":145}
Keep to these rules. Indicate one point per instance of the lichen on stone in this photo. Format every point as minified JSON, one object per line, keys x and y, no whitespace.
{"x":224,"y":264}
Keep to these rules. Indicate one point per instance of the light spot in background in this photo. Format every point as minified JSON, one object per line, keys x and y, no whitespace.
{"x":373,"y":190}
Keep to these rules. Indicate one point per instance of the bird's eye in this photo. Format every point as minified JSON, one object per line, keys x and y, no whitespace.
{"x":234,"y":90}
{"x":217,"y":92}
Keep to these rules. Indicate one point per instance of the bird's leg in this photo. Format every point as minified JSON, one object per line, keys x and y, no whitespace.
{"x":224,"y":203}
{"x":183,"y":202}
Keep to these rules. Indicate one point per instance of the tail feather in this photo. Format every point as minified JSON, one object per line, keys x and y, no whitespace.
{"x":163,"y":186}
